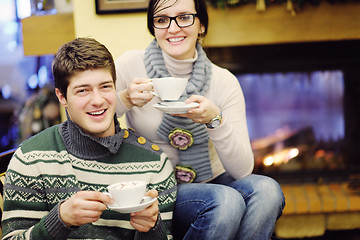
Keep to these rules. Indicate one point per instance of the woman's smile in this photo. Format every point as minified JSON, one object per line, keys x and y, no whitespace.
{"x":176,"y":39}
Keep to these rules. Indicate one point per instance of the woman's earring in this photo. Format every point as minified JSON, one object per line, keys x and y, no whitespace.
{"x":200,"y":38}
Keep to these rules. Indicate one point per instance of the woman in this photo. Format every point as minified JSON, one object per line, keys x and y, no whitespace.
{"x":224,"y":200}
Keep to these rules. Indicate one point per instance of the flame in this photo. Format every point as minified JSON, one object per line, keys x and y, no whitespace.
{"x":283,"y":156}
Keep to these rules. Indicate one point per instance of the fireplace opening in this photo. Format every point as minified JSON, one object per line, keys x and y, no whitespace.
{"x":295,"y":120}
{"x":302,"y":103}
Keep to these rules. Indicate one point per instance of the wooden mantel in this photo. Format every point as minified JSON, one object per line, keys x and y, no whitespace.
{"x":243,"y":25}
{"x":239,"y":26}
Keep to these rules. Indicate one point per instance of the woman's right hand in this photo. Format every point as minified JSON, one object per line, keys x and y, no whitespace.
{"x":138,"y":93}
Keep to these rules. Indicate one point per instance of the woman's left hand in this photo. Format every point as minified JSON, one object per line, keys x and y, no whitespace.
{"x":206,"y":111}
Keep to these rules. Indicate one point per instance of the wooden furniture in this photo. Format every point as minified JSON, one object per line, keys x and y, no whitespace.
{"x":312,"y":209}
{"x":243,"y":25}
{"x":5,"y":159}
{"x":4,"y":162}
{"x":44,"y":34}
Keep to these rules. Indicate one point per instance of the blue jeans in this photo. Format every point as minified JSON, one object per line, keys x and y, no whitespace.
{"x":228,"y":209}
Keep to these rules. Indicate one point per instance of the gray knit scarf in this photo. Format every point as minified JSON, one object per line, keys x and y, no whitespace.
{"x":87,"y":147}
{"x":196,"y":155}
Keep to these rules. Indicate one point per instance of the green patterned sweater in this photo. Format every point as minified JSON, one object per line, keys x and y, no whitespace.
{"x":42,"y":173}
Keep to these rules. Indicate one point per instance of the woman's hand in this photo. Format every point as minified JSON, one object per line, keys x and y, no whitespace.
{"x":206,"y":111}
{"x":137,"y":93}
{"x":146,"y":219}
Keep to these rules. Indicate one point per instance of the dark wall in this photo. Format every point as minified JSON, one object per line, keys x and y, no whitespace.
{"x":288,"y":57}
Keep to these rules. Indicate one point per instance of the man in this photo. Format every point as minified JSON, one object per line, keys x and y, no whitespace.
{"x":56,"y":179}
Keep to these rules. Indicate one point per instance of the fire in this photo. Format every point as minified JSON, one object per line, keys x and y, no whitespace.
{"x":283,"y":156}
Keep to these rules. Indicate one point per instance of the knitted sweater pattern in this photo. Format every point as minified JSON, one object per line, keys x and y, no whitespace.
{"x":42,"y":174}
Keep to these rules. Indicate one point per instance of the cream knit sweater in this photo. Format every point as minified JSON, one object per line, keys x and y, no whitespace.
{"x":229,"y":146}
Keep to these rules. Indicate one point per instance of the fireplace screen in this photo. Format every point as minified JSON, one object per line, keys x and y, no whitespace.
{"x":295,"y":120}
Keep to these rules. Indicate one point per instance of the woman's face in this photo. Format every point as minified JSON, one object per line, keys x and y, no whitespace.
{"x":178,"y":42}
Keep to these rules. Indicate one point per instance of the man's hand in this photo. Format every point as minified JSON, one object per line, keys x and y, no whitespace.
{"x":83,"y":207}
{"x":144,"y":220}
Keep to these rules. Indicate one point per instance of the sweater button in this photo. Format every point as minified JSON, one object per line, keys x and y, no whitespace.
{"x":141,"y":140}
{"x":155,"y":147}
{"x":126,"y":134}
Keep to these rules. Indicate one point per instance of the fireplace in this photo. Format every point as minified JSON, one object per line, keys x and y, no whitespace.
{"x":327,"y":150}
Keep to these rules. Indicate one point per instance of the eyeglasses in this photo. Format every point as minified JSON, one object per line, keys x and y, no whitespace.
{"x":183,"y":20}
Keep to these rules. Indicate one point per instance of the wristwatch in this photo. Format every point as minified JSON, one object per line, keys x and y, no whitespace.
{"x":215,"y":122}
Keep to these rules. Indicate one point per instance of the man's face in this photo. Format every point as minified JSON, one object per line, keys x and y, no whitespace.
{"x":91,"y":102}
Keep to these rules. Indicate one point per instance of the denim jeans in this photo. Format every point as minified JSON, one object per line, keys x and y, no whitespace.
{"x":228,"y":209}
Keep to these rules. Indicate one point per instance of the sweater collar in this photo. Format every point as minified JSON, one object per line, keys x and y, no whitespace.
{"x":179,"y":68}
{"x":85,"y":146}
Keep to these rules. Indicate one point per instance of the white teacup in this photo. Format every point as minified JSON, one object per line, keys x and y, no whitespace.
{"x":169,"y":88}
{"x":126,"y":194}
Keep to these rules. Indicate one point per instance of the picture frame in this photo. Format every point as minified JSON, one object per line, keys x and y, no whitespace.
{"x":118,"y":6}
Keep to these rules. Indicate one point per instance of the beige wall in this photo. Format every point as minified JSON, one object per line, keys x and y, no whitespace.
{"x":230,"y":27}
{"x":118,"y":32}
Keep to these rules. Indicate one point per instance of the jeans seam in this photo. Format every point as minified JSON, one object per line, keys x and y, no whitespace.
{"x":193,"y":201}
{"x":245,"y":196}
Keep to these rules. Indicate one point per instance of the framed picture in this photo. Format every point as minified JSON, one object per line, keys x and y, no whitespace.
{"x":117,"y":6}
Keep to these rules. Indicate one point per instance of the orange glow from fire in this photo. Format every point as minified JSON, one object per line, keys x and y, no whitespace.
{"x":280,"y":157}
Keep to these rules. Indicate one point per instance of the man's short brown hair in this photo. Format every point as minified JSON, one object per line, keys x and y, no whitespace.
{"x":79,"y":55}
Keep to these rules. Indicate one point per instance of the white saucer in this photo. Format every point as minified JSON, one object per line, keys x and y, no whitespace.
{"x":175,"y":107}
{"x":145,"y":202}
